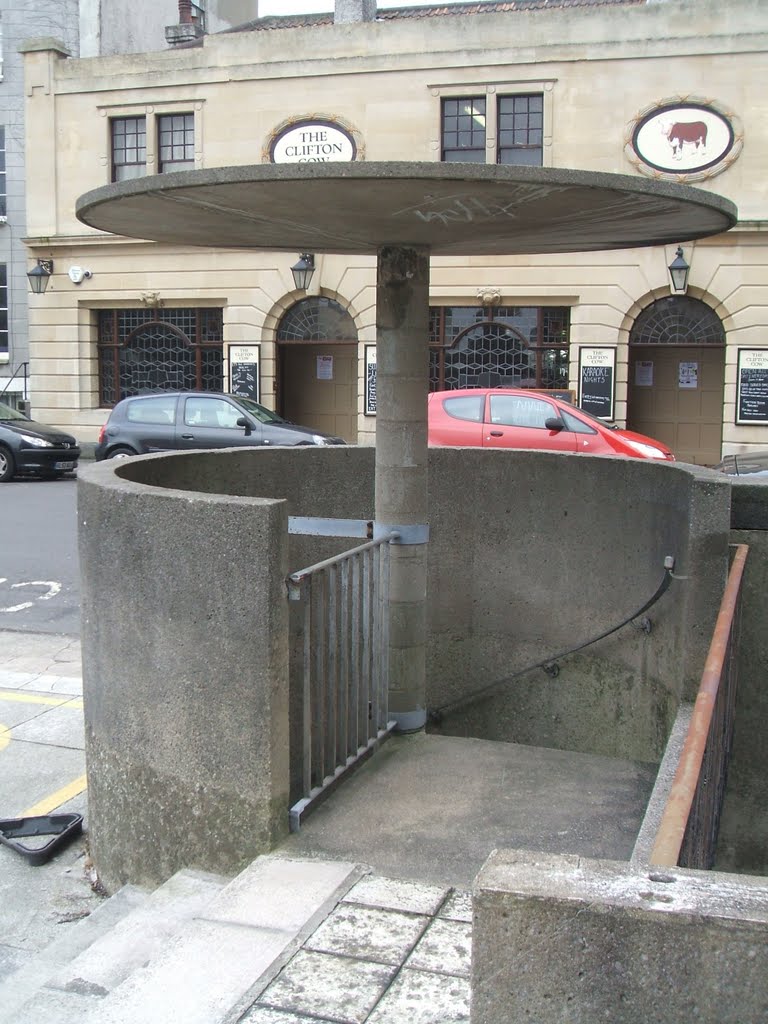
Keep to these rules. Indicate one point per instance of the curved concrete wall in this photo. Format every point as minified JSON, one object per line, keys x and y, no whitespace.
{"x":184,"y":625}
{"x":185,"y":633}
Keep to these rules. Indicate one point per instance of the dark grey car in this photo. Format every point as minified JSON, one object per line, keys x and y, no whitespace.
{"x":754,"y":464}
{"x":179,"y":420}
{"x":28,"y":447}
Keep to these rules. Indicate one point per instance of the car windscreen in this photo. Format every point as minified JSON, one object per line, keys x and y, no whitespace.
{"x":259,"y":412}
{"x":7,"y":413}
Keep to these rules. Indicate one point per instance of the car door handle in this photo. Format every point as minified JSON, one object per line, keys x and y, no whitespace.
{"x":188,"y":437}
{"x":496,"y":433}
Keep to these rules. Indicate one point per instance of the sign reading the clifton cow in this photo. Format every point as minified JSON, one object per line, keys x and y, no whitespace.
{"x":312,"y":142}
{"x":684,"y":138}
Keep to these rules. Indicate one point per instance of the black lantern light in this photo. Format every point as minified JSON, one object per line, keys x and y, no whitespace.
{"x":39,"y":276}
{"x":678,"y":271}
{"x":303,"y":271}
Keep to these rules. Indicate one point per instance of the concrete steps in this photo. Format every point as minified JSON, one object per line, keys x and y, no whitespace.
{"x":198,"y":949}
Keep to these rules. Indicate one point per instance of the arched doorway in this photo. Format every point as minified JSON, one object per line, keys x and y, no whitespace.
{"x":317,"y":367}
{"x":676,"y":377}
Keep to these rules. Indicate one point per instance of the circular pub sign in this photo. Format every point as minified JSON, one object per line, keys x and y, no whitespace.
{"x":308,"y":142}
{"x":684,"y":138}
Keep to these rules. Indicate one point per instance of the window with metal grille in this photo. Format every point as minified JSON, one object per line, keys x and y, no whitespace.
{"x":677,"y":320}
{"x":3,"y":308}
{"x":3,"y":192}
{"x":463,"y":129}
{"x":521,"y":130}
{"x":145,"y":350}
{"x":501,"y":346}
{"x":317,"y":319}
{"x":176,"y":142}
{"x":129,"y":147}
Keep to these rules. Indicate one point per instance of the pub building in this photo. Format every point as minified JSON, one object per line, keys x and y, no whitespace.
{"x":669,"y":341}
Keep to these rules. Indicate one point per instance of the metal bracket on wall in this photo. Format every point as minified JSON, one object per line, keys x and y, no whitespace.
{"x":367,"y":529}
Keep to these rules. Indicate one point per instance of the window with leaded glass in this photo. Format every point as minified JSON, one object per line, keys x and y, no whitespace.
{"x":3,"y":308}
{"x":501,"y":346}
{"x":129,"y":147}
{"x":176,"y":142}
{"x":3,"y":192}
{"x":521,"y":130}
{"x":678,"y":320}
{"x":147,"y":350}
{"x":463,"y":129}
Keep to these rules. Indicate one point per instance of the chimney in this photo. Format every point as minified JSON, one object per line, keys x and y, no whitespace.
{"x":191,"y":24}
{"x":354,"y":10}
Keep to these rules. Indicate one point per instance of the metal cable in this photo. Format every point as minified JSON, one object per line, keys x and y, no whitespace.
{"x":435,"y":715}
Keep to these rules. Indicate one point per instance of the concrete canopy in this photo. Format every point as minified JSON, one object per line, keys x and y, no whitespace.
{"x":450,"y":209}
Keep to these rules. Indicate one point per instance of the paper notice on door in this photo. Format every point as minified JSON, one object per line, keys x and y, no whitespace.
{"x":644,"y":373}
{"x":325,"y":367}
{"x":688,"y":375}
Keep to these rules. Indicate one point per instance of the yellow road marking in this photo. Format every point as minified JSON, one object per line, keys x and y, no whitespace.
{"x":5,"y":736}
{"x":32,"y":698}
{"x":50,"y":803}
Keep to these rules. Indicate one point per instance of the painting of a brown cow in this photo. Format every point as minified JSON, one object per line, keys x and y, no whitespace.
{"x":693,"y":132}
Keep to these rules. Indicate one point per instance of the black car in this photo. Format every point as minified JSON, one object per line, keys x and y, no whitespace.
{"x":27,"y":447}
{"x":179,"y":420}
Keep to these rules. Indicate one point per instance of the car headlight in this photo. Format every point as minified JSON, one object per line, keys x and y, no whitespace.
{"x":36,"y":442}
{"x":648,"y":450}
{"x":319,"y":439}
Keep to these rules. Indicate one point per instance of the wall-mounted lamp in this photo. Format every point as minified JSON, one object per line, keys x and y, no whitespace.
{"x":39,"y":276}
{"x":78,"y":274}
{"x":303,"y":271}
{"x":678,"y":271}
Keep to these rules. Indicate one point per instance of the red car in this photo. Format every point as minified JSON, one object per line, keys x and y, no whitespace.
{"x":511,"y":418}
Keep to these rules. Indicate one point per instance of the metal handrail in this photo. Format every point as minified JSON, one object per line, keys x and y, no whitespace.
{"x":24,"y":368}
{"x":677,"y":811}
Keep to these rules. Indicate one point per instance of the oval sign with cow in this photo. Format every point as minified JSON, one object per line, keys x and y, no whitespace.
{"x":683,"y":138}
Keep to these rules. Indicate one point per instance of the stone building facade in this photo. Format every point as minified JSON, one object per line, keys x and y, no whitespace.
{"x":665,"y":90}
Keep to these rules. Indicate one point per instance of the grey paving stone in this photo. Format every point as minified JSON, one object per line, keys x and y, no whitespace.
{"x":385,"y":936}
{"x":446,"y":948}
{"x":418,"y":997}
{"x":328,"y":986}
{"x":458,"y":907}
{"x":396,"y":894}
{"x":264,"y":1015}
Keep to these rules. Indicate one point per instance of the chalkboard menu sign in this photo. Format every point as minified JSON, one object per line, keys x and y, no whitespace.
{"x":370,"y":380}
{"x":752,"y":386}
{"x":244,"y":371}
{"x":597,"y":373}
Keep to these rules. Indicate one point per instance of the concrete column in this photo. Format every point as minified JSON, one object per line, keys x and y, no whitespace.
{"x":402,"y":382}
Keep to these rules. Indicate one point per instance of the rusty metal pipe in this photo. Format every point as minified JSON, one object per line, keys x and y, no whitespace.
{"x":669,"y":838}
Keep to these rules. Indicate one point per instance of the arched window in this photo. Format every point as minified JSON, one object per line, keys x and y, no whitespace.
{"x":317,"y":319}
{"x":677,"y":320}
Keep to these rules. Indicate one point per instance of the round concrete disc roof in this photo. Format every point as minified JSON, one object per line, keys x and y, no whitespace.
{"x":453,"y":209}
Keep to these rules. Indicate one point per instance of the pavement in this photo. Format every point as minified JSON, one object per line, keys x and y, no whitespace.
{"x":409,"y":831}
{"x":42,"y":769}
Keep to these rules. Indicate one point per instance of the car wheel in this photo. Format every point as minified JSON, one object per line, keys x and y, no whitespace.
{"x":7,"y":465}
{"x":121,"y":453}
